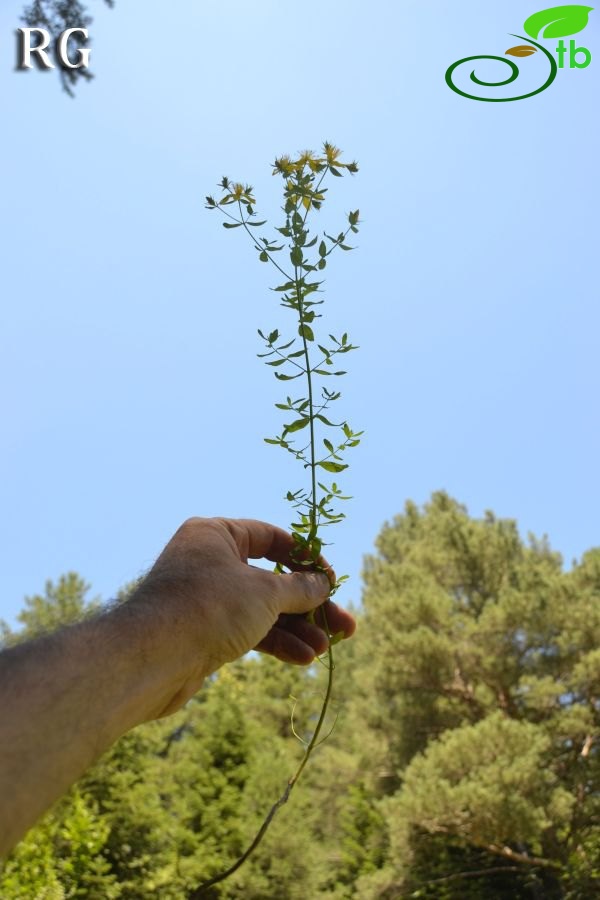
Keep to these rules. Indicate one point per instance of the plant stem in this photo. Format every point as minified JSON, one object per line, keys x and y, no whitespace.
{"x":298,"y":191}
{"x":311,"y":412}
{"x":206,"y":885}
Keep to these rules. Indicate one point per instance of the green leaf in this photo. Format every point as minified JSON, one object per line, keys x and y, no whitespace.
{"x":300,"y":529}
{"x":273,"y":336}
{"x":322,"y":249}
{"x":256,"y":224}
{"x":306,"y":331}
{"x":558,"y":21}
{"x":232,"y":224}
{"x":321,"y":264}
{"x":297,"y":425}
{"x":331,"y":466}
{"x":287,"y":377}
{"x":264,"y":257}
{"x":315,"y":548}
{"x":325,"y":421}
{"x":276,"y":362}
{"x":296,"y":256}
{"x":329,"y":445}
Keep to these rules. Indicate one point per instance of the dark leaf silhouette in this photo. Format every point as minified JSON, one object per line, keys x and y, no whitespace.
{"x":56,"y":16}
{"x":521,"y":50}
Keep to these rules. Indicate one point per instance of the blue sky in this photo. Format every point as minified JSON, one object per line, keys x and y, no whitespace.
{"x":132,"y":396}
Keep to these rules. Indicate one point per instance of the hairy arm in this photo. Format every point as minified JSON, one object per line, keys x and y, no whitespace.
{"x":67,"y":697}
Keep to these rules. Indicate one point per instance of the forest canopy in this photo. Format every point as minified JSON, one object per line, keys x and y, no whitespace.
{"x":464,"y":762}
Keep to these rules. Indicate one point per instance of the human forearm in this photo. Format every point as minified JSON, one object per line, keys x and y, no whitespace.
{"x":66,"y":697}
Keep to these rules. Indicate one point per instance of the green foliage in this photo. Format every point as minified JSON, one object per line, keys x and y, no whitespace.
{"x":468,"y":767}
{"x":62,"y":856}
{"x":60,"y":604}
{"x":452,"y":787}
{"x":303,"y":193}
{"x":487,"y":658}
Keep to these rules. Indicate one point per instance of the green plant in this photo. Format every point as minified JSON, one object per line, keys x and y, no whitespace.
{"x":304,"y":193}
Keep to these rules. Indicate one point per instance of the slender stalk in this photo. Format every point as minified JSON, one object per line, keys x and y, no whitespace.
{"x":311,"y":424}
{"x":201,"y":890}
{"x":296,"y":295}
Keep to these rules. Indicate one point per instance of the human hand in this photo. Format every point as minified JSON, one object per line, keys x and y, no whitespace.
{"x":216,"y":606}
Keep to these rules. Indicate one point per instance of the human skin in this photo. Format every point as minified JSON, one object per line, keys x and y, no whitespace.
{"x":66,"y":697}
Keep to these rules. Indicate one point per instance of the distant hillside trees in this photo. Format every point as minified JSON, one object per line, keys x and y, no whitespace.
{"x":464,"y":764}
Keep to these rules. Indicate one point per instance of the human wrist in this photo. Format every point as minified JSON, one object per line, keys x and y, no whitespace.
{"x":165,"y":648}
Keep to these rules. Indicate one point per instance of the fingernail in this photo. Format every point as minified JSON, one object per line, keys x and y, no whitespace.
{"x":325,"y":582}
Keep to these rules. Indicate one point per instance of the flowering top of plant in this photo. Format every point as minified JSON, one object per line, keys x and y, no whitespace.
{"x":304,"y":356}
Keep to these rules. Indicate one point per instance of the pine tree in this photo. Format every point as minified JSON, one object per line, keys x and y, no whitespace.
{"x":480,"y":688}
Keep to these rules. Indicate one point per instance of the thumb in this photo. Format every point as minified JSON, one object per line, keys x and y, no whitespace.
{"x":301,"y":592}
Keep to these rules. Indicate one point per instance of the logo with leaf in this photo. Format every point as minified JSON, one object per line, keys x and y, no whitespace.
{"x":556,"y":22}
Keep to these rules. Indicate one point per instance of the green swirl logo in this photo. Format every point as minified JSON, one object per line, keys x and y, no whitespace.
{"x":557,"y":22}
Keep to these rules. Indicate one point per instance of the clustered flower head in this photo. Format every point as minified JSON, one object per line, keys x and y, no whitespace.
{"x":285,"y":165}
